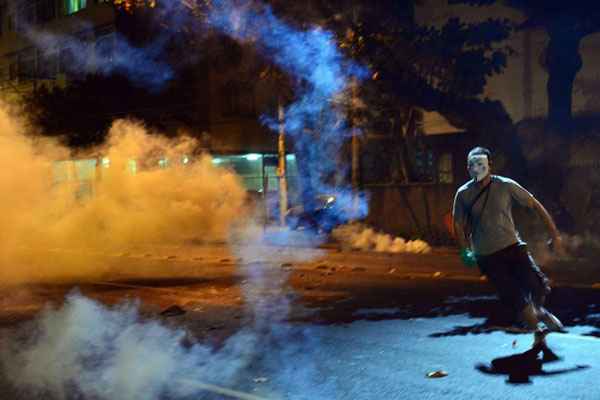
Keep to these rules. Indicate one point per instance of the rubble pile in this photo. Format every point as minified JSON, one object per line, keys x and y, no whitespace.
{"x":358,"y":236}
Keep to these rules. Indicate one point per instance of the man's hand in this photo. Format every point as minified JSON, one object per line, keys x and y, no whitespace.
{"x":557,"y":243}
{"x":468,"y":258}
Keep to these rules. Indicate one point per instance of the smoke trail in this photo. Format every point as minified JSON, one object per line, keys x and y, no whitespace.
{"x":316,"y":120}
{"x":142,"y":65}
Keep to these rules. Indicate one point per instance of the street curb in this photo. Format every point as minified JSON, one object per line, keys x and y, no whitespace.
{"x":468,"y":278}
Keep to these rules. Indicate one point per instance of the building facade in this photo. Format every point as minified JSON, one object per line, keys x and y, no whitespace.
{"x":26,"y":60}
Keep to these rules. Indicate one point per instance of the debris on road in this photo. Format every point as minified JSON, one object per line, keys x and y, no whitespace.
{"x":437,"y":374}
{"x":172,"y":311}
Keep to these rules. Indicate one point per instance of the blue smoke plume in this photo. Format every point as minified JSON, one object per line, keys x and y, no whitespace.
{"x":142,"y":65}
{"x":315,"y":121}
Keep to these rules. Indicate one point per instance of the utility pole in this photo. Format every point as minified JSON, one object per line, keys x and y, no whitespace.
{"x":354,"y":118}
{"x":281,"y":169}
{"x":355,"y":148}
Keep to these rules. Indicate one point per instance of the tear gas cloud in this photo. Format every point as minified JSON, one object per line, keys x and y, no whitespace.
{"x":154,"y":205}
{"x":111,"y":353}
{"x":361,"y":237}
{"x":89,"y":351}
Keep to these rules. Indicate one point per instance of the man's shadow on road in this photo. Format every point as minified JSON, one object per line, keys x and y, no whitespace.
{"x":522,"y":366}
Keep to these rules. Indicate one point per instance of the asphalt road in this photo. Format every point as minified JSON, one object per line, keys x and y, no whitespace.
{"x":339,"y":326}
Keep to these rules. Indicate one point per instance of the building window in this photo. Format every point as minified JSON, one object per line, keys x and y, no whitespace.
{"x":73,"y":6}
{"x":424,"y":166}
{"x":13,"y":71}
{"x":48,"y":65}
{"x":445,"y":169}
{"x":105,"y":47}
{"x":230,"y":96}
{"x":70,"y":65}
{"x":237,"y":100}
{"x":26,"y":64}
{"x":45,"y":10}
{"x":2,"y":16}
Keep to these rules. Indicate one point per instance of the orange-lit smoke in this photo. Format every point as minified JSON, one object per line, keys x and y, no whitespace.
{"x":48,"y":231}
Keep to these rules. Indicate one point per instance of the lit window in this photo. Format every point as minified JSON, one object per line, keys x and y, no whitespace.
{"x":73,"y":6}
{"x":252,"y":157}
{"x":445,"y":170}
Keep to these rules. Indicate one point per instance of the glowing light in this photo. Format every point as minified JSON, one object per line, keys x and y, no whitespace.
{"x":105,"y":162}
{"x":217,"y":161}
{"x":185,"y":160}
{"x":132,"y":166}
{"x":252,"y":157}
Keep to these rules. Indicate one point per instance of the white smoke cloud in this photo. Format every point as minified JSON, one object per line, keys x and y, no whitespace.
{"x":114,"y":354}
{"x":360,"y":237}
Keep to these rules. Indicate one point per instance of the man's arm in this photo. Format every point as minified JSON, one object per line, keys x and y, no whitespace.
{"x":458,"y":217}
{"x":461,"y":238}
{"x":542,"y":212}
{"x":525,"y":198}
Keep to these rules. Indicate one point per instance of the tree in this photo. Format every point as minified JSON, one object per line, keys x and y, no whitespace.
{"x":441,"y":69}
{"x":81,"y":113}
{"x":566,"y":24}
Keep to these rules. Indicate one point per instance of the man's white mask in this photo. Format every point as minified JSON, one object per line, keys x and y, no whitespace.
{"x":478,"y":166}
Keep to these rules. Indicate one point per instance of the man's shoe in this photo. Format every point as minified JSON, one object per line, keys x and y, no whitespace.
{"x":550,"y":320}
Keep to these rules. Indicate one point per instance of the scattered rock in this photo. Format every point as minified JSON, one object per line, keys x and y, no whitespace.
{"x":171,"y":257}
{"x":225,"y":260}
{"x":286,"y":265}
{"x":172,"y":311}
{"x":215,"y":327}
{"x":392,"y":270}
{"x":322,"y":266}
{"x":437,"y":374}
{"x":359,"y":269}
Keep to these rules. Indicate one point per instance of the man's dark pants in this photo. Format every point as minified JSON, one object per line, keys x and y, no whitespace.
{"x":515,"y":276}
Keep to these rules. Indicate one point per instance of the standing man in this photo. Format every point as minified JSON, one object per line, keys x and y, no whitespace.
{"x":487,"y":236}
